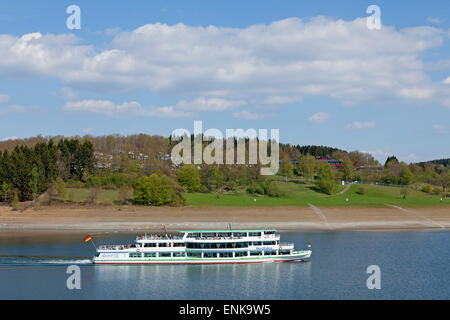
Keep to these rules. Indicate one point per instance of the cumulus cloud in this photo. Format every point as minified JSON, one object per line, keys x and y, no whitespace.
{"x":319,"y":117}
{"x":435,"y":20}
{"x":126,"y":109}
{"x":356,"y":125}
{"x":247,"y":115}
{"x":9,"y":138}
{"x":4,"y":98}
{"x":212,"y":104}
{"x":274,"y":63}
{"x":16,"y":108}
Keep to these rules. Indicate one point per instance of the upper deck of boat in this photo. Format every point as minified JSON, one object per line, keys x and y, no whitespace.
{"x":213,"y":235}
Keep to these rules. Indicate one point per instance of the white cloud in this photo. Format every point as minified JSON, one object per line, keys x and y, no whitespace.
{"x":126,"y":109}
{"x":281,"y":100}
{"x":212,"y":104}
{"x":4,"y":98}
{"x":435,"y":20}
{"x":68,"y":94}
{"x":290,"y":58}
{"x":9,"y":138}
{"x":356,"y":125}
{"x":319,"y":117}
{"x":441,"y":128}
{"x":412,"y":156}
{"x":247,"y":115}
{"x":16,"y":108}
{"x":446,"y":81}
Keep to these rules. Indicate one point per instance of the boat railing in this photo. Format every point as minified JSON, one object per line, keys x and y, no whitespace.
{"x":216,"y":238}
{"x":286,"y":244}
{"x":117,"y":247}
{"x":157,"y":237}
{"x":271,"y":236}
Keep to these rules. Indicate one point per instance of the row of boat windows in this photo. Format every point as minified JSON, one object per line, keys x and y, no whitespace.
{"x":210,"y":245}
{"x":227,"y":234}
{"x":226,"y":245}
{"x":156,"y":254}
{"x":206,"y":254}
{"x":163,"y":244}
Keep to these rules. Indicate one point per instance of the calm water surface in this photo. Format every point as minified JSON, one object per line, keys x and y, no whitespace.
{"x":414,"y":265}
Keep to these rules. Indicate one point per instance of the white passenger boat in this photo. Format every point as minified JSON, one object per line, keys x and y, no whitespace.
{"x":202,"y":247}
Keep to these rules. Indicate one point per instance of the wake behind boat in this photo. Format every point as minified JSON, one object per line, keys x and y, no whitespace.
{"x":202,"y":247}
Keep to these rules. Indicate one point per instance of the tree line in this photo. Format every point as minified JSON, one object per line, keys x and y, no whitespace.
{"x":26,"y":172}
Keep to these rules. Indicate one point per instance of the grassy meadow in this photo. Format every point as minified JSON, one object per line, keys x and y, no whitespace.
{"x":295,"y":193}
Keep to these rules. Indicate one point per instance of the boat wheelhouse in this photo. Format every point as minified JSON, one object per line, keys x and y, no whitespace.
{"x":203,"y":246}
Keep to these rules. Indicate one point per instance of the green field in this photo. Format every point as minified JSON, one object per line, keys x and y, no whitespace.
{"x":296,"y":194}
{"x":104,"y":196}
{"x":301,"y":195}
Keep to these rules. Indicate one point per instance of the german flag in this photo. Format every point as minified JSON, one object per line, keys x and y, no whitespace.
{"x":88,"y":238}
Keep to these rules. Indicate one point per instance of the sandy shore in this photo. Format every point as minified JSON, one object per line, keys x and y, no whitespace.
{"x":130,"y":218}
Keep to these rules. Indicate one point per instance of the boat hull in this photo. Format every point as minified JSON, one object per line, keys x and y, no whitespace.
{"x":289,"y":258}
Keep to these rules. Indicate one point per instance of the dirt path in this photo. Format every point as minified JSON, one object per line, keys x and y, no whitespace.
{"x":320,"y":215}
{"x":347,"y":186}
{"x":430,"y":221}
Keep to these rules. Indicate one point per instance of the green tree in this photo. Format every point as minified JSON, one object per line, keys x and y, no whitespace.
{"x":286,"y":167}
{"x":347,"y":169}
{"x":6,"y":191}
{"x":15,"y":202}
{"x":61,"y":189}
{"x":326,"y":178}
{"x":34,"y":182}
{"x":404,"y":192}
{"x":445,"y":180}
{"x":211,"y":177}
{"x":390,"y":160}
{"x":157,"y":190}
{"x":307,"y":166}
{"x":189,"y":177}
{"x":406,"y":176}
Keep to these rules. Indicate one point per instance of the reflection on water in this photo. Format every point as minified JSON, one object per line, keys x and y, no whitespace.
{"x":414,"y":265}
{"x":214,"y":281}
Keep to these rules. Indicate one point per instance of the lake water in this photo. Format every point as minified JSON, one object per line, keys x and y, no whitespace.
{"x":414,"y":265}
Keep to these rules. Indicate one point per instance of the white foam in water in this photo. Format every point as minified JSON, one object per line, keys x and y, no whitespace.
{"x":65,"y":261}
{"x":37,"y":261}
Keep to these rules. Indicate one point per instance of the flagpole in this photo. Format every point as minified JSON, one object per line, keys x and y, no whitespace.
{"x":95,"y":247}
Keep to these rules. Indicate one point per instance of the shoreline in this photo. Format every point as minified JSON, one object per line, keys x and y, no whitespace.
{"x":129,"y":219}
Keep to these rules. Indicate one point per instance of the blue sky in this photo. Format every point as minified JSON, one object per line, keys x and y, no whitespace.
{"x":309,"y":68}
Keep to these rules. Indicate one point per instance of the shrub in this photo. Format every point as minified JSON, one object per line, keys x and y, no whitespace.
{"x":427,"y":188}
{"x":157,"y":190}
{"x":326,"y":186}
{"x":361,"y":190}
{"x":255,"y":188}
{"x":404,"y":192}
{"x":272,"y":189}
{"x":189,"y":177}
{"x":74,"y":184}
{"x":437,"y":190}
{"x":93,"y":182}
